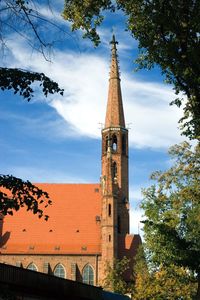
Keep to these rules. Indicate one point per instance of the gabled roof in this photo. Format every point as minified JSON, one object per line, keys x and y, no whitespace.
{"x":72,"y":227}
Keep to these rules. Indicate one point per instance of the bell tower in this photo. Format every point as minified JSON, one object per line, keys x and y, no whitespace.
{"x":114,"y":179}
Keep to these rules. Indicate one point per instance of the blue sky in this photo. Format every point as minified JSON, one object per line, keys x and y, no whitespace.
{"x":58,"y":139}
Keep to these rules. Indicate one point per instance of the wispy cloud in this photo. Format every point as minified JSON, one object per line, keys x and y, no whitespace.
{"x":85,"y":79}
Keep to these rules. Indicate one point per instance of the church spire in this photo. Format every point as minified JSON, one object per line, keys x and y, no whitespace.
{"x":114,"y":176}
{"x":114,"y":112}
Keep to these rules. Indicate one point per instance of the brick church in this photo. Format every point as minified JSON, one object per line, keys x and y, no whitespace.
{"x":88,"y":224}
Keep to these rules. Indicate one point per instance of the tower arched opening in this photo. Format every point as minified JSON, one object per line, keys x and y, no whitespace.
{"x":114,"y":142}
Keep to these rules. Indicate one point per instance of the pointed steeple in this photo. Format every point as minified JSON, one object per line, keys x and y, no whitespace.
{"x":114,"y":112}
{"x":114,"y":176}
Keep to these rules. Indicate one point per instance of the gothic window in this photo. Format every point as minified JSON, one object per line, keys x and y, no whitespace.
{"x":109,"y":210}
{"x":114,"y":143}
{"x":59,"y":271}
{"x":114,"y":170}
{"x":88,"y":275}
{"x":109,"y":238}
{"x":124,"y":144}
{"x":32,"y":267}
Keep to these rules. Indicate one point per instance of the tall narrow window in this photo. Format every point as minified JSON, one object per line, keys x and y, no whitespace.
{"x":114,"y":142}
{"x":88,"y":275}
{"x":32,"y":267}
{"x":109,"y":210}
{"x":123,"y":144}
{"x":59,"y":271}
{"x":114,"y":170}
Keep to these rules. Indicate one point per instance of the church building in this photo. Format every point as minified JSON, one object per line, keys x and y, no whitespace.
{"x":88,"y":224}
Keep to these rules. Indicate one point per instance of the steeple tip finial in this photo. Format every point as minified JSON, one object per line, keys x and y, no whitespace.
{"x":113,"y":41}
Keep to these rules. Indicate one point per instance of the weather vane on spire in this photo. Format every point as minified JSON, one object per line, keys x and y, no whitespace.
{"x":113,"y":42}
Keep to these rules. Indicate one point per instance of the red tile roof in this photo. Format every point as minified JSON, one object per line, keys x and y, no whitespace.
{"x":71,"y":229}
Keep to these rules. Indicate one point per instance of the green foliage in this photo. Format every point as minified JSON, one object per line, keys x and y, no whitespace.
{"x":172,"y":212}
{"x":16,"y":193}
{"x":114,"y":280}
{"x":168,"y":33}
{"x":20,"y":81}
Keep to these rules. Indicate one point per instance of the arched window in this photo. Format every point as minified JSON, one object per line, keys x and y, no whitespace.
{"x":88,"y":275}
{"x":59,"y":271}
{"x":114,"y":142}
{"x":124,"y":144}
{"x":114,"y":170}
{"x":32,"y":267}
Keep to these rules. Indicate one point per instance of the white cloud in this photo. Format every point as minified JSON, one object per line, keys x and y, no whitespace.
{"x":85,"y":79}
{"x":135,"y":221}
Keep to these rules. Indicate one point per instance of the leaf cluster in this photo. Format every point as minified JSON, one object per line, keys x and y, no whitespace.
{"x":21,"y":82}
{"x":16,"y":193}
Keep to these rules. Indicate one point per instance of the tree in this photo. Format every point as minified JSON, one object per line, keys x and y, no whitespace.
{"x":16,"y":193}
{"x":114,"y":280}
{"x":24,"y":19}
{"x":168,"y":33}
{"x":163,"y":282}
{"x":172,"y":213}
